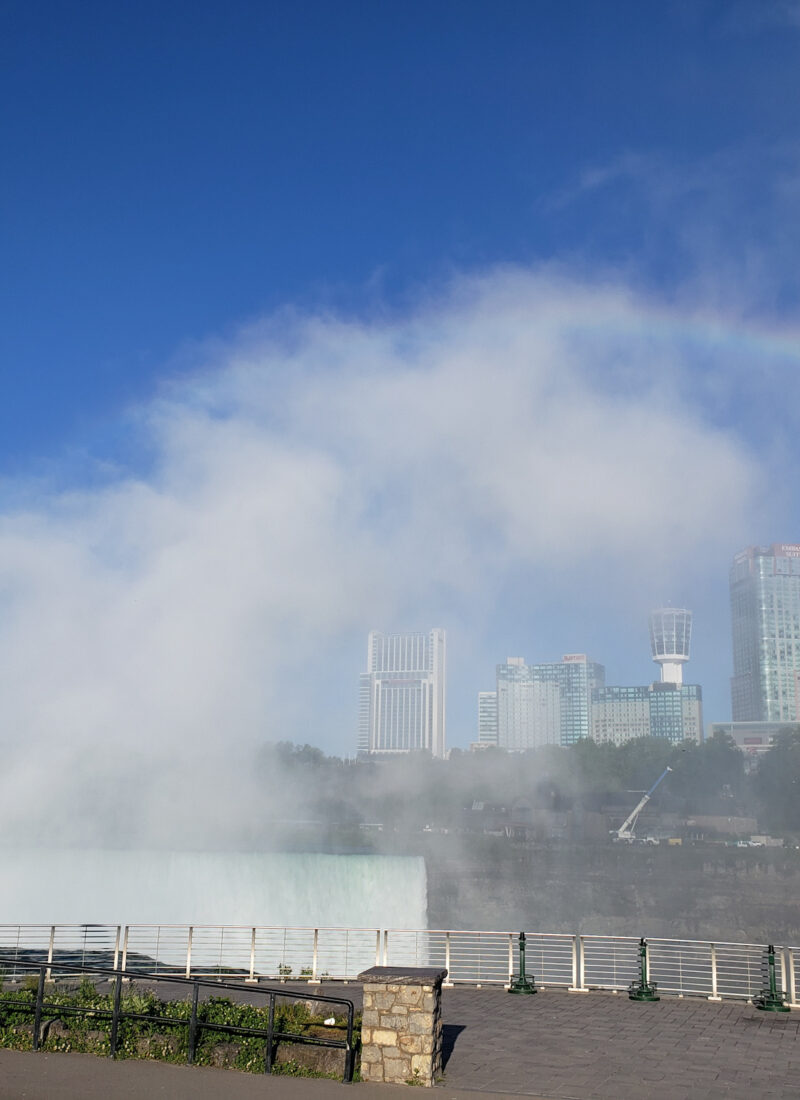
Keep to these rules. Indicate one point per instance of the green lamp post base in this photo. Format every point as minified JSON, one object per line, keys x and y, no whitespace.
{"x":643,"y":992}
{"x":521,"y":985}
{"x":770,"y":1002}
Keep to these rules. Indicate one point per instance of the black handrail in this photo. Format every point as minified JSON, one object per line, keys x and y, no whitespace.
{"x":195,"y":1025}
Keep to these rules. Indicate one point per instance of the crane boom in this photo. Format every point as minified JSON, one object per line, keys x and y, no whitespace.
{"x":625,"y":831}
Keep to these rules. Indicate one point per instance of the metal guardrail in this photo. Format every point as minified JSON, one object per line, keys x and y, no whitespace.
{"x":579,"y":963}
{"x":194,"y":1023}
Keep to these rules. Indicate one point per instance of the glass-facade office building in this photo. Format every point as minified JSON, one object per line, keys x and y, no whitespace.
{"x":676,"y":711}
{"x":402,"y":694}
{"x":580,"y":677}
{"x":765,"y":621}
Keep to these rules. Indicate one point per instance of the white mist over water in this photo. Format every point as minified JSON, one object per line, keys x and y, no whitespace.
{"x":317,"y":476}
{"x":68,"y":886}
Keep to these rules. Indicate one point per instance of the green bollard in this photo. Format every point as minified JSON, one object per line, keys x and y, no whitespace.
{"x":521,"y":984}
{"x":643,"y":990}
{"x":771,"y":999}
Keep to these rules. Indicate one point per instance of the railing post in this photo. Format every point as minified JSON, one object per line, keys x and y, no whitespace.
{"x":447,"y":960}
{"x":116,"y":947}
{"x":378,"y":948}
{"x":16,"y":950}
{"x":37,"y":1016}
{"x":189,"y":952}
{"x":792,"y":980}
{"x":574,"y":962}
{"x":192,"y":1045}
{"x":252,"y":975}
{"x":270,"y":1032}
{"x":510,"y":958}
{"x":349,"y":1056}
{"x":386,"y":947}
{"x":577,"y":966}
{"x":50,"y":952}
{"x":714,"y":995}
{"x":115,"y":1016}
{"x":314,"y":959}
{"x":124,"y":965}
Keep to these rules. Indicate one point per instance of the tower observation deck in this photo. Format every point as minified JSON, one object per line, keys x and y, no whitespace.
{"x":670,"y":639}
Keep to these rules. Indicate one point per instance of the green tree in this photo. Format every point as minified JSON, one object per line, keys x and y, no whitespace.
{"x":710,"y":776}
{"x":642,"y":760}
{"x":777,"y":783}
{"x":593,"y":766}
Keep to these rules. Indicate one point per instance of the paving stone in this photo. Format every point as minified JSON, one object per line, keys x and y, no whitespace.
{"x":605,"y":1047}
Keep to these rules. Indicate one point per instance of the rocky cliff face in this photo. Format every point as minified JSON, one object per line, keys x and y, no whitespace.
{"x":684,"y":892}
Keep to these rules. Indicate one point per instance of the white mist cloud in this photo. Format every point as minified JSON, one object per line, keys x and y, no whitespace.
{"x":721,"y":228}
{"x":320,"y":477}
{"x":747,"y":16}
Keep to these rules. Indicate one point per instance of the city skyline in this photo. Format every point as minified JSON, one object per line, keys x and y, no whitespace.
{"x":536,"y":703}
{"x":559,"y":703}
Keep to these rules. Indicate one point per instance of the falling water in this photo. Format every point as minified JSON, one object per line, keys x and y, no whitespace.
{"x":152,"y":887}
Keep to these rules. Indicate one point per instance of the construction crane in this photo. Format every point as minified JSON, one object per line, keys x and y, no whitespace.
{"x":625,"y":831}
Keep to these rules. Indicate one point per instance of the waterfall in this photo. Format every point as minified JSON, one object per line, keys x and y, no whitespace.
{"x":65,"y":886}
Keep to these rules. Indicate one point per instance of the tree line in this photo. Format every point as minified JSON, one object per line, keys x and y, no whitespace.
{"x":415,"y":790}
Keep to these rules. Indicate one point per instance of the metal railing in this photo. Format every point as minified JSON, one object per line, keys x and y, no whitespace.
{"x":580,"y":963}
{"x":252,"y":953}
{"x":195,"y":1023}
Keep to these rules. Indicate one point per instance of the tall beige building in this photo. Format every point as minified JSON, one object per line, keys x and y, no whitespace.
{"x":402,"y":694}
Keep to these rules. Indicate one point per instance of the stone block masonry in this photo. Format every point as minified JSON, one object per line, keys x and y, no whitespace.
{"x":401,"y":1024}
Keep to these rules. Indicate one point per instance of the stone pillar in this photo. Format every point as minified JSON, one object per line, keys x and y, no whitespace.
{"x":401,"y":1026}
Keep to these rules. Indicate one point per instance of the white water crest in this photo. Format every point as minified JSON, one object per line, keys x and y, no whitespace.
{"x":70,"y":886}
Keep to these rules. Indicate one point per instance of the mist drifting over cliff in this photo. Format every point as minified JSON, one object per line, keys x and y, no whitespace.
{"x":206,"y":584}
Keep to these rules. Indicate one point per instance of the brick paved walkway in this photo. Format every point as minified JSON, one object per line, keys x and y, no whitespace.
{"x":600,"y":1046}
{"x":555,"y":1045}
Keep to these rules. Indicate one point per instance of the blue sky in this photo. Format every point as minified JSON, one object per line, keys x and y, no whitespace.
{"x":172,"y":171}
{"x":213,"y":209}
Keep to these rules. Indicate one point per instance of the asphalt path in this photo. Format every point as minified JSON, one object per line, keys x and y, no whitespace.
{"x":86,"y":1077}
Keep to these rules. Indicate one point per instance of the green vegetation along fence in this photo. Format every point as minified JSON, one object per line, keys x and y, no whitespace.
{"x":259,"y":1023}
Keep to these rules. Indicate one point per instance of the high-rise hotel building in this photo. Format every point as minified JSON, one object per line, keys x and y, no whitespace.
{"x":402,"y":694}
{"x":541,"y":704}
{"x":663,"y":709}
{"x":487,"y":718}
{"x":765,"y":618}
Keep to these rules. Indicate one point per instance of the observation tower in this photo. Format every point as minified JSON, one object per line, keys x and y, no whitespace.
{"x":670,"y":638}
